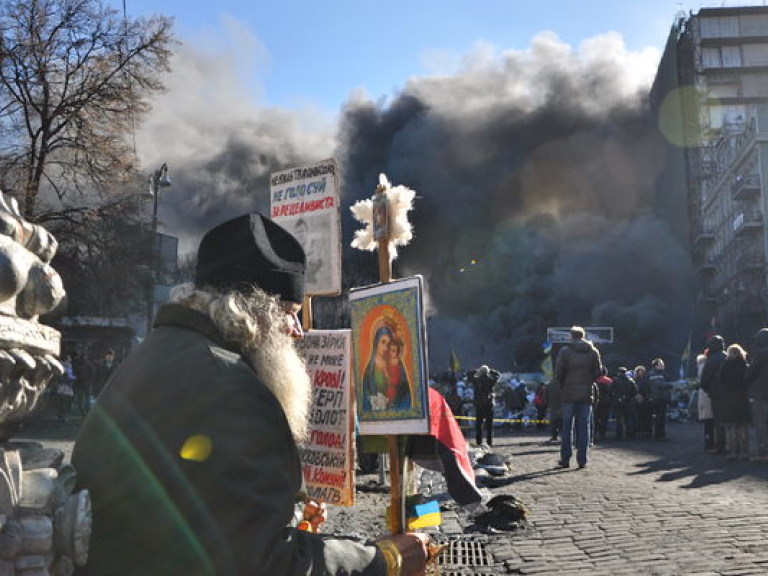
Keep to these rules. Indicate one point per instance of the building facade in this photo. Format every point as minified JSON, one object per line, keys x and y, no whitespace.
{"x":710,"y":98}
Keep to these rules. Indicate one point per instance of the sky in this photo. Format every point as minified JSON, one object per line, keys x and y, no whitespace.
{"x":315,"y":54}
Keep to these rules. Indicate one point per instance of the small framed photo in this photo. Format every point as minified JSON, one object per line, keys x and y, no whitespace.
{"x":389,"y":357}
{"x":380,"y":216}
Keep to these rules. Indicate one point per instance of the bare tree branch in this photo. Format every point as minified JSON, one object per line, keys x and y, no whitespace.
{"x":77,"y":78}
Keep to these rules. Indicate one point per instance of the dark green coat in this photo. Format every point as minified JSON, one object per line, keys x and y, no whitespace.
{"x":156,"y":513}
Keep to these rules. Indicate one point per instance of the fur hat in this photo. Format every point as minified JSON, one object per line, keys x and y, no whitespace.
{"x":252,"y":250}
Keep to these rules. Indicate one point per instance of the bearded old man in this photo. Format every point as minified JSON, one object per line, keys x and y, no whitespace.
{"x":190,"y":453}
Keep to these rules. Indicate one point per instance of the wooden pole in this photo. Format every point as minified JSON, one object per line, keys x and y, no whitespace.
{"x":395,"y":485}
{"x":385,"y":265}
{"x":393,"y":444}
{"x":306,"y":314}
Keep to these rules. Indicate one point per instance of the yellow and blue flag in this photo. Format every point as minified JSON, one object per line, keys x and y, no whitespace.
{"x":454,"y":362}
{"x":424,"y":515}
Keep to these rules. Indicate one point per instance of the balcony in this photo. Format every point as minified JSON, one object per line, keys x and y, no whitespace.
{"x":703,"y":236}
{"x":707,"y":267}
{"x":746,"y":223}
{"x":746,"y":187}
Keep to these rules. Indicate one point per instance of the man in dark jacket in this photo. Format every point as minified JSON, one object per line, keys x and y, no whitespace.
{"x":190,"y":453}
{"x":623,"y":404}
{"x":757,"y":379}
{"x":515,"y":401}
{"x":483,"y":381}
{"x":577,"y":368}
{"x":661,"y":392}
{"x":709,"y":383}
{"x":102,"y":371}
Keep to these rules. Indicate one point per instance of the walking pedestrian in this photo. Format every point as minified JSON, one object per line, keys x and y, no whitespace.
{"x":190,"y":454}
{"x":577,"y":367}
{"x":483,"y":381}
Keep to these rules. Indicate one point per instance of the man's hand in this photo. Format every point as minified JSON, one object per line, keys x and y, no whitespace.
{"x":413,"y":549}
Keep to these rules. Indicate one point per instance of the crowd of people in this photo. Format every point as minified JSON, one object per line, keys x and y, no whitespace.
{"x":732,"y":396}
{"x":483,"y":396}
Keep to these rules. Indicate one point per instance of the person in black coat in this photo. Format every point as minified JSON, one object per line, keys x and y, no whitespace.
{"x":660,"y":391}
{"x":731,"y":394}
{"x":643,"y":403}
{"x":483,"y":381}
{"x":710,"y":376}
{"x":623,"y":404}
{"x":102,"y":371}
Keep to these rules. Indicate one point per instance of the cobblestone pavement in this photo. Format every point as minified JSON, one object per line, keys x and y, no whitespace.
{"x":639,"y":507}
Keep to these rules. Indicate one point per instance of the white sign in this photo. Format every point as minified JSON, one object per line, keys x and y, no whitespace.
{"x":595,"y":334}
{"x":327,"y":459}
{"x":305,"y":201}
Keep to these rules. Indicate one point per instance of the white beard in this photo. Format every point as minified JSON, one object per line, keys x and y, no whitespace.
{"x":282,"y":370}
{"x":258,"y":326}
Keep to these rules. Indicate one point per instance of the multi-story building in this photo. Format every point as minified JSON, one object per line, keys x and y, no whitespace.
{"x":711,"y":100}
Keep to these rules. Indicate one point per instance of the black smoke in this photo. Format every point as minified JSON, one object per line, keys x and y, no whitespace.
{"x":529,"y":214}
{"x":535,"y":175}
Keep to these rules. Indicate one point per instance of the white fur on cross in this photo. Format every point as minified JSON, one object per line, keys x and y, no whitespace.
{"x":400,"y":202}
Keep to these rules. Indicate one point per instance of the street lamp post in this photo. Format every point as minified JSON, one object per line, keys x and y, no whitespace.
{"x":158,"y":179}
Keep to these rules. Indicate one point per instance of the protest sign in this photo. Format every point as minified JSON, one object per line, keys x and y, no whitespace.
{"x":305,"y":200}
{"x":327,"y":459}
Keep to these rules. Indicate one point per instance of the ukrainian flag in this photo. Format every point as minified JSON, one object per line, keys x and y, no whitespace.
{"x":424,"y":515}
{"x":454,"y":362}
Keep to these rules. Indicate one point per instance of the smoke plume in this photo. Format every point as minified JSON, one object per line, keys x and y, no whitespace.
{"x":534,"y":172}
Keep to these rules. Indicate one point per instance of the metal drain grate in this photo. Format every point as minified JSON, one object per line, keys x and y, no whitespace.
{"x":461,"y":555}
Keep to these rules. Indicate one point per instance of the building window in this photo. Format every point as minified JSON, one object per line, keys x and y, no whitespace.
{"x":721,"y":57}
{"x":720,"y":27}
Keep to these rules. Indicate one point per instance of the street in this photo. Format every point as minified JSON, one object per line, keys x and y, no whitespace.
{"x":639,"y":507}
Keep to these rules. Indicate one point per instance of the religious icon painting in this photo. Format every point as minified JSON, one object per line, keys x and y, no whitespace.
{"x":389,"y":357}
{"x":380,"y":216}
